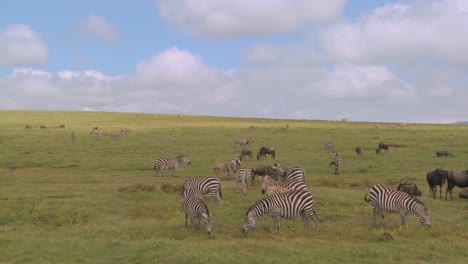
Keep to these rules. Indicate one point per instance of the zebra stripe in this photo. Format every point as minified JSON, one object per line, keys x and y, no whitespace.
{"x":202,"y":186}
{"x":235,"y":164}
{"x":385,"y":199}
{"x":243,"y":176}
{"x":276,"y":187}
{"x":296,"y":173}
{"x":286,"y":205}
{"x":195,"y":208}
{"x":163,"y":164}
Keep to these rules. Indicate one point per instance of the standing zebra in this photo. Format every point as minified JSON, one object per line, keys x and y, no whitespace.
{"x":235,"y":164}
{"x":195,"y":208}
{"x":336,"y":163}
{"x":286,"y":205}
{"x":269,"y":187}
{"x":383,"y":198}
{"x":163,"y":164}
{"x":243,"y":176}
{"x":202,"y":186}
{"x":296,"y":173}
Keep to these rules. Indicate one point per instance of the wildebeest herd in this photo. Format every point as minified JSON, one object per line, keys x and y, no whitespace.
{"x":287,"y":194}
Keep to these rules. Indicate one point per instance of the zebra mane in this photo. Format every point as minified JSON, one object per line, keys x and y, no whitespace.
{"x":261,"y":201}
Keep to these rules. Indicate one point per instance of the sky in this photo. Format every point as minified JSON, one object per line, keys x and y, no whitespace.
{"x":375,"y":61}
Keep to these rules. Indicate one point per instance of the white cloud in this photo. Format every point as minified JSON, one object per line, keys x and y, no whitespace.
{"x":98,"y":27}
{"x":245,"y":17}
{"x":20,"y":44}
{"x":403,"y":33}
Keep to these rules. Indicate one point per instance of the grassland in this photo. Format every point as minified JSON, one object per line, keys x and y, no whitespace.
{"x":96,"y":199}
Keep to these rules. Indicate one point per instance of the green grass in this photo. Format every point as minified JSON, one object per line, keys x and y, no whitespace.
{"x":96,"y":200}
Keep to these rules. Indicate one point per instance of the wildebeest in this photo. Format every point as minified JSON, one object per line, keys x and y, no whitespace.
{"x":42,"y":126}
{"x":266,"y":170}
{"x":28,"y":126}
{"x":266,"y":150}
{"x":358,"y":150}
{"x":456,"y":178}
{"x":463,"y":194}
{"x":444,"y":153}
{"x":73,"y":135}
{"x":381,"y":146}
{"x":245,"y":152}
{"x":221,"y":166}
{"x":409,"y":188}
{"x":434,"y":178}
{"x":60,"y":126}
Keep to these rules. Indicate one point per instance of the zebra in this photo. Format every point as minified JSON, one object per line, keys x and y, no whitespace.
{"x":287,"y":205}
{"x":284,"y":128}
{"x":202,"y":186}
{"x":329,"y":147}
{"x":124,"y":130}
{"x":243,"y":176}
{"x":73,"y":135}
{"x":270,"y":188}
{"x":243,"y":141}
{"x":336,"y":163}
{"x":384,"y":198}
{"x":296,"y":173}
{"x":195,"y":208}
{"x":235,"y":164}
{"x":170,"y":163}
{"x":95,"y":132}
{"x":114,"y":135}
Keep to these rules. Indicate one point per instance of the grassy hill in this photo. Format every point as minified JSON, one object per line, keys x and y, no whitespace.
{"x":97,"y":200}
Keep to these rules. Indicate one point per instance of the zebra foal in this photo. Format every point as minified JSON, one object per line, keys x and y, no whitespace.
{"x":195,"y":208}
{"x":385,"y":199}
{"x":286,"y":205}
{"x":201,"y":186}
{"x":271,"y":188}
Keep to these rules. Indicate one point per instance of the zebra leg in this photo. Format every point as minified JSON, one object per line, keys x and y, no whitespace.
{"x":276,"y":220}
{"x":403,"y":218}
{"x":378,"y":215}
{"x":186,"y":218}
{"x":244,"y":188}
{"x":305,"y":220}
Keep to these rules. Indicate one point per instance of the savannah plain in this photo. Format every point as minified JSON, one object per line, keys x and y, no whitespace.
{"x":97,"y":199}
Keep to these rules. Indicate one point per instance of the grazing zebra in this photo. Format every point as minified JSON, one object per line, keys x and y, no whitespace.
{"x":170,"y":163}
{"x":296,"y":173}
{"x":201,"y":186}
{"x":243,"y":141}
{"x":243,"y":176}
{"x":124,"y":130}
{"x":287,"y":205}
{"x":195,"y":208}
{"x":235,"y":165}
{"x":114,"y":135}
{"x":284,"y":128}
{"x":336,"y":163}
{"x":221,"y":166}
{"x":383,"y":198}
{"x":270,"y":188}
{"x":375,"y":126}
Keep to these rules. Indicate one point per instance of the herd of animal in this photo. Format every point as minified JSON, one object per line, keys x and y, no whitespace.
{"x":287,"y":194}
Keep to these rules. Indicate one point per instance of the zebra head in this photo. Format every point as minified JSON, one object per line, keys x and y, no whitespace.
{"x":424,"y":215}
{"x":208,"y":224}
{"x":250,"y":221}
{"x":183,"y":159}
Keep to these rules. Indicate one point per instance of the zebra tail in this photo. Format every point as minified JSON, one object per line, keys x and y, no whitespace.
{"x":220,"y":193}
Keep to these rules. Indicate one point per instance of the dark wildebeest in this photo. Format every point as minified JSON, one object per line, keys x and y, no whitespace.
{"x":358,"y":150}
{"x":409,"y":188}
{"x":28,"y":126}
{"x":42,"y":126}
{"x":456,"y":178}
{"x":266,"y":150}
{"x":463,"y":194}
{"x":381,"y":146}
{"x":266,"y":170}
{"x":245,"y":152}
{"x":444,"y":153}
{"x":434,"y":178}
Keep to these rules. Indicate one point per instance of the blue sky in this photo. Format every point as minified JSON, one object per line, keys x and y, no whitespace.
{"x":373,"y":61}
